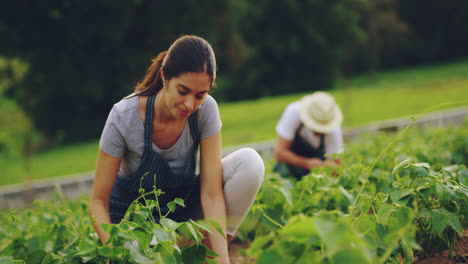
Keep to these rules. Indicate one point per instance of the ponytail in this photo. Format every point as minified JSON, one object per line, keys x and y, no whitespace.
{"x":152,"y":82}
{"x":187,"y":54}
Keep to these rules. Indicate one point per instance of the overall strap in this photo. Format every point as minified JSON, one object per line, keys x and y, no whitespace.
{"x":298,"y":130}
{"x":322,"y":141}
{"x":321,"y":148}
{"x":194,"y":129}
{"x":149,"y":122}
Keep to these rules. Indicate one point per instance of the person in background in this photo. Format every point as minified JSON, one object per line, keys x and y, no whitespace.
{"x":309,"y":131}
{"x":157,"y":130}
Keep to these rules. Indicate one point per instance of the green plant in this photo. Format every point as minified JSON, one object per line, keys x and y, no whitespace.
{"x":58,"y":233}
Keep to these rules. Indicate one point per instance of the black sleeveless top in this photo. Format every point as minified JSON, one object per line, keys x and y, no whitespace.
{"x":302,"y":148}
{"x":154,"y":170}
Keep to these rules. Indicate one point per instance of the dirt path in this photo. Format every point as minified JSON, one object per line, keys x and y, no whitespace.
{"x":234,"y":254}
{"x":461,"y":253}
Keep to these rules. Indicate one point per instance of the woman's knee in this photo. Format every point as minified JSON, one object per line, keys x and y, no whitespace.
{"x":252,"y":165}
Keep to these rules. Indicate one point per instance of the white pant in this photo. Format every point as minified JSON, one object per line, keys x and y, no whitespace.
{"x":243,"y":172}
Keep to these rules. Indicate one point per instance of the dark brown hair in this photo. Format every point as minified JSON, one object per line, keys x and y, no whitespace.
{"x":187,"y":54}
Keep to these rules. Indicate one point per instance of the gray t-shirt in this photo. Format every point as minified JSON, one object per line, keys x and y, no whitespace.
{"x":123,"y":135}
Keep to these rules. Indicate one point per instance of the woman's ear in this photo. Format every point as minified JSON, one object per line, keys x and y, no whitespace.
{"x":163,"y":77}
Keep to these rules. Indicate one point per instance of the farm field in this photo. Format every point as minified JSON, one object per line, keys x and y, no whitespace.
{"x":398,"y":199}
{"x":391,"y":94}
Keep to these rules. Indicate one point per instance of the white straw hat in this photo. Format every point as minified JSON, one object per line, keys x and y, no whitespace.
{"x":320,"y":113}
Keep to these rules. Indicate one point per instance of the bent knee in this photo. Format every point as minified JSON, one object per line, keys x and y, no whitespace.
{"x":253,"y":165}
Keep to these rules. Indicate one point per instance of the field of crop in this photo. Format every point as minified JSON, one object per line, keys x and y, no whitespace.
{"x":397,"y":199}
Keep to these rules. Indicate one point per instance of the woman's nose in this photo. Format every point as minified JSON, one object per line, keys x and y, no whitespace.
{"x":189,"y":102}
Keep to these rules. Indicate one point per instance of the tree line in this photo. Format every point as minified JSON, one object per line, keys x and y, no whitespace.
{"x":83,"y":56}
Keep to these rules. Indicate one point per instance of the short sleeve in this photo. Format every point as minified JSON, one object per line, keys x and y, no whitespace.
{"x":334,"y":142}
{"x":289,"y":122}
{"x":209,"y":120}
{"x":112,"y":142}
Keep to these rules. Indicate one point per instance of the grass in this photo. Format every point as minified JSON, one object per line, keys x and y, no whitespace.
{"x":389,"y":95}
{"x":67,"y":160}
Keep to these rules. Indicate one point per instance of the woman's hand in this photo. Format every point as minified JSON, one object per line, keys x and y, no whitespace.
{"x":212,"y":194}
{"x":106,"y":172}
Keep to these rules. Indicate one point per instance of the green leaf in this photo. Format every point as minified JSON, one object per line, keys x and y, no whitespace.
{"x":365,"y":224}
{"x":165,"y":258}
{"x":137,"y":256}
{"x":142,"y":237}
{"x":271,"y":256}
{"x":106,"y":251}
{"x":348,"y":196}
{"x":152,"y":204}
{"x":332,"y":231}
{"x":365,"y":203}
{"x":164,"y":235}
{"x":454,"y":222}
{"x":384,"y":211}
{"x":420,"y":169}
{"x":217,"y":227}
{"x":171,"y":206}
{"x":441,"y":218}
{"x":187,"y":230}
{"x":203,"y":225}
{"x":402,"y":165}
{"x":286,"y":194}
{"x":396,"y":195}
{"x":424,"y":213}
{"x":111,"y":229}
{"x":10,"y":260}
{"x":407,"y":251}
{"x":300,"y":229}
{"x":351,"y":256}
{"x":169,"y":224}
{"x":403,"y":216}
{"x":272,"y":213}
{"x":141,"y":216}
{"x":193,"y":254}
{"x":211,"y":261}
{"x":260,"y":243}
{"x":445,"y":193}
{"x":179,"y":201}
{"x":168,"y":246}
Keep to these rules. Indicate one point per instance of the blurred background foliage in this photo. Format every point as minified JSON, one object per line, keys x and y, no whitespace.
{"x":63,"y":63}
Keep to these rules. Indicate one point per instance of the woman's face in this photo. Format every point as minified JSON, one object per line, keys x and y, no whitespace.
{"x":185,"y":93}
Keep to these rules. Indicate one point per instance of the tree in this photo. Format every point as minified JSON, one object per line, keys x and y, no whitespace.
{"x":292,"y":46}
{"x":83,"y":56}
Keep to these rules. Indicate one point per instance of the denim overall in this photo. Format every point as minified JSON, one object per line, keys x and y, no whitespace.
{"x":185,"y":186}
{"x":302,"y":148}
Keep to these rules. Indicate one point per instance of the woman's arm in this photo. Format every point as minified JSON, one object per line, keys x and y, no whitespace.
{"x":107,"y":167}
{"x":212,"y":195}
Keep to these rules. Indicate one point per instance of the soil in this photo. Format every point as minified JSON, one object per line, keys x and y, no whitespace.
{"x":235,"y":256}
{"x":461,"y":253}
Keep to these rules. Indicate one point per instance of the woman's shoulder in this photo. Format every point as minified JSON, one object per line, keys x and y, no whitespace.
{"x":208,"y":105}
{"x":126,"y":104}
{"x":208,"y":117}
{"x":210,"y":100}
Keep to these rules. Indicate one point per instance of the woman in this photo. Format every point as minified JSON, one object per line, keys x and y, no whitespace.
{"x":157,"y":131}
{"x":308,"y":131}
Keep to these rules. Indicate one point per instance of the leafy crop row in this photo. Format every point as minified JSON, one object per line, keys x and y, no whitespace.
{"x":62,"y":232}
{"x":413,"y":201}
